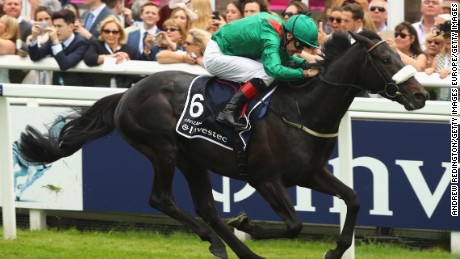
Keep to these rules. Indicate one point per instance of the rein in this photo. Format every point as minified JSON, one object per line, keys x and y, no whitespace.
{"x":310,"y":131}
{"x":391,"y":88}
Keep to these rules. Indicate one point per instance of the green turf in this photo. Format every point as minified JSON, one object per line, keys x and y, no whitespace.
{"x":50,"y":244}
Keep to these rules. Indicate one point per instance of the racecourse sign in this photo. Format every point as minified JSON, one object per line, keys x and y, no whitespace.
{"x":401,"y":173}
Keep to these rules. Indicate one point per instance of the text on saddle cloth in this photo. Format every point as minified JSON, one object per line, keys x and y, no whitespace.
{"x":207,"y":96}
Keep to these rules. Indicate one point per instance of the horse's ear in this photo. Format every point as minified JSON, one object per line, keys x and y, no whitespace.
{"x":361,"y":39}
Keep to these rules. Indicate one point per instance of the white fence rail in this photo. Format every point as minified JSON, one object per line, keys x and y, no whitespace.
{"x":370,"y":108}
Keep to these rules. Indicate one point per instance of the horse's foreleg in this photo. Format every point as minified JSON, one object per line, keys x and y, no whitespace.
{"x":161,"y":199}
{"x":278,"y":197}
{"x":326,"y":182}
{"x":201,"y":190}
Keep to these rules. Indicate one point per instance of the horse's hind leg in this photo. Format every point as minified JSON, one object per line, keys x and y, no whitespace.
{"x":201,"y":190}
{"x":161,"y":199}
{"x":278,"y":197}
{"x":326,"y":182}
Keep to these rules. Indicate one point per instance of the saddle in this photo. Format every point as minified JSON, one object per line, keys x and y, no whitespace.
{"x":206,"y":97}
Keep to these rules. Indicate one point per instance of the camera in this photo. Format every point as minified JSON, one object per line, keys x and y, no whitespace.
{"x":43,"y":26}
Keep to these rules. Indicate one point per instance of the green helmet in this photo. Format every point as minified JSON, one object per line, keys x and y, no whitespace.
{"x":303,"y":28}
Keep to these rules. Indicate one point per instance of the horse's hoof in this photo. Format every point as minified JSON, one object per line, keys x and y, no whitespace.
{"x":218,"y":251}
{"x":238,"y":220}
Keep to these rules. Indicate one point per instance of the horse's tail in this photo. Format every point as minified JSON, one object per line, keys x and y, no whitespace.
{"x":69,"y":133}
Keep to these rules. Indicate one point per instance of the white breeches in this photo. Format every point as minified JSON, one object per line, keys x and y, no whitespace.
{"x":234,"y":68}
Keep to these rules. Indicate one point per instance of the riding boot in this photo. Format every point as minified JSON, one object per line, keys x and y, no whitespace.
{"x":232,"y":112}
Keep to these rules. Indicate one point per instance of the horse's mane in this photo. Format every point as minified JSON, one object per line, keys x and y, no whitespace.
{"x":335,"y":46}
{"x":339,"y":43}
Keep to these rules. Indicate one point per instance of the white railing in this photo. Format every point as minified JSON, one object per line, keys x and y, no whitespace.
{"x":372,"y":108}
{"x":135,"y":67}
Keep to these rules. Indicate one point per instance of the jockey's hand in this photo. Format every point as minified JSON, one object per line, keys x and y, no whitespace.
{"x":312,"y":72}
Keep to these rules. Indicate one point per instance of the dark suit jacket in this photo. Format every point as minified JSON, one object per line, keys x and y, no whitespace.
{"x":97,"y":48}
{"x":66,"y":59}
{"x":94,"y":30}
{"x":25,"y":29}
{"x":134,"y":38}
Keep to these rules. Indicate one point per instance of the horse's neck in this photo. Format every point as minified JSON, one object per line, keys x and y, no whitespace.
{"x":329,"y":101}
{"x":330,"y":105}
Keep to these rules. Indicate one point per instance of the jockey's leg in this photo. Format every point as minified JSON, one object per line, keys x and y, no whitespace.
{"x":232,"y":111}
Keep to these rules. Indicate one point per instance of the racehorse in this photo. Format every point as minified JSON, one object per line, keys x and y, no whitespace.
{"x":288,"y":147}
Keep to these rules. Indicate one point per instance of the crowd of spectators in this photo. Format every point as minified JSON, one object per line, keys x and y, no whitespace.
{"x":179,"y":31}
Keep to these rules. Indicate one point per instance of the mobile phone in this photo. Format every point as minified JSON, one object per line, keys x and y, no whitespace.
{"x":43,"y":26}
{"x":215,"y":15}
{"x":158,"y":38}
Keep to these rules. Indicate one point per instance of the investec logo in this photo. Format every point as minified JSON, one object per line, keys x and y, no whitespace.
{"x":381,"y":205}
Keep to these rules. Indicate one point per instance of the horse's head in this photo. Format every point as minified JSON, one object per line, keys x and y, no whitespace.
{"x":385,"y":74}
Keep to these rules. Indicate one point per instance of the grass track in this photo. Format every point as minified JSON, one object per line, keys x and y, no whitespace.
{"x":50,"y":244}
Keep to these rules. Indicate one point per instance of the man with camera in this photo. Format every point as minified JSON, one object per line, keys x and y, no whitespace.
{"x":64,"y":45}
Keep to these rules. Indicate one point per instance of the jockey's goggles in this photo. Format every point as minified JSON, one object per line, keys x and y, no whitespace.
{"x":300,"y":45}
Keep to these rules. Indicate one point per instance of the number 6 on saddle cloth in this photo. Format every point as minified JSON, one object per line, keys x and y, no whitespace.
{"x":206,"y":97}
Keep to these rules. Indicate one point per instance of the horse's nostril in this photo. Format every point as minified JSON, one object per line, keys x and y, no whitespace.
{"x":421,"y":96}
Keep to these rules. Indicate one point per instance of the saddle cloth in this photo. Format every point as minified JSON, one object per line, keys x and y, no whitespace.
{"x":207,"y":96}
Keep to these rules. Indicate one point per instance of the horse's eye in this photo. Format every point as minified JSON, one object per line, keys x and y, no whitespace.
{"x":386,"y":61}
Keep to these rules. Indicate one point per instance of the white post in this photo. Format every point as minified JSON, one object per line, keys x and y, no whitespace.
{"x":346,"y":172}
{"x":6,"y":171}
{"x":455,"y":242}
{"x":37,"y":219}
{"x":396,"y":11}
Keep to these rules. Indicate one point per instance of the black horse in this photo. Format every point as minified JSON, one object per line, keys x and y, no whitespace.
{"x":280,"y":153}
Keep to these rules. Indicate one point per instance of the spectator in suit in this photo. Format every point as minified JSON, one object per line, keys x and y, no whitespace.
{"x":64,"y":45}
{"x":352,"y":18}
{"x":88,"y":26}
{"x":9,"y":32}
{"x":379,"y":13}
{"x":142,"y":39}
{"x":110,"y":44}
{"x":14,"y":8}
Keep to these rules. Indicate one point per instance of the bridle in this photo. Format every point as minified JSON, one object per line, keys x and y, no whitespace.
{"x":391,"y":88}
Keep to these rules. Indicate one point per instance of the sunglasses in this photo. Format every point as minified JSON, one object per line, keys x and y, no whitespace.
{"x":332,"y":19}
{"x":288,"y":14}
{"x":300,"y":45}
{"x":428,"y":42}
{"x":172,"y":29}
{"x":373,"y":8}
{"x":114,"y":32}
{"x":402,"y":35}
{"x":189,"y":43}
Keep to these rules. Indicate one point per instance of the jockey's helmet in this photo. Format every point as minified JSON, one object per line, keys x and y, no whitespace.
{"x":303,"y":28}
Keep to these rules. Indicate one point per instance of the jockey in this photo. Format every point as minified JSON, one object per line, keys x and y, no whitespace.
{"x":255,"y":51}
